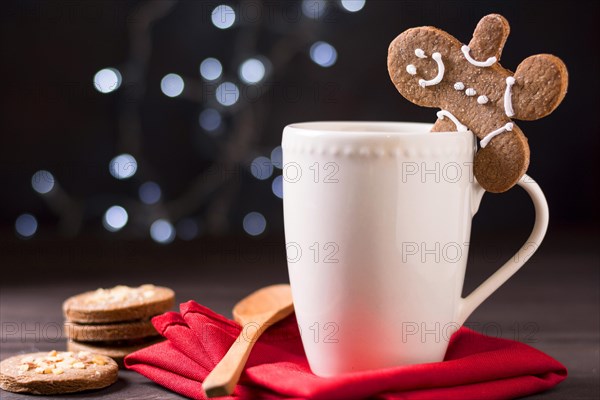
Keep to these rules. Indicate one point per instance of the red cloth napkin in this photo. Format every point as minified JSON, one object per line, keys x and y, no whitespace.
{"x":476,"y":366}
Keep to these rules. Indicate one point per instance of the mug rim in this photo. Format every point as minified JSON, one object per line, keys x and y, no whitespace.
{"x":373,"y":129}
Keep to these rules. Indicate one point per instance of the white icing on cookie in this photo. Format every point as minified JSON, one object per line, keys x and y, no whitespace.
{"x":506,"y":128}
{"x":508,"y":108}
{"x":470,"y":92}
{"x":440,"y":75}
{"x":411,"y":69}
{"x":420,"y":53}
{"x":483,"y":99}
{"x":459,"y":86}
{"x":445,"y":113}
{"x":487,"y":63}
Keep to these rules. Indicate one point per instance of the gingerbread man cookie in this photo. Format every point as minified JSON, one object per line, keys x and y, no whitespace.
{"x":431,"y":68}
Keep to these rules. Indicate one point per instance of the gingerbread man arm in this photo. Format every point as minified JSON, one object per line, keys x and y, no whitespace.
{"x":489,"y":37}
{"x":540,"y":85}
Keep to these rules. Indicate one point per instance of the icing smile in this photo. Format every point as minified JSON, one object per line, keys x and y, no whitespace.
{"x":437,"y":57}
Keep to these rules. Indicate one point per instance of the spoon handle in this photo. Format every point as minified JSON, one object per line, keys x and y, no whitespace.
{"x":224,"y":377}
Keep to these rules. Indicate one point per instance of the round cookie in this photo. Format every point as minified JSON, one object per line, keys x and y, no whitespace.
{"x":118,"y":304}
{"x":431,"y":68}
{"x":116,"y":350}
{"x":106,"y":332}
{"x":57,"y":372}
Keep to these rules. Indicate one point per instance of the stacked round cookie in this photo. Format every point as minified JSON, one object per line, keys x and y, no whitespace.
{"x":115,"y":322}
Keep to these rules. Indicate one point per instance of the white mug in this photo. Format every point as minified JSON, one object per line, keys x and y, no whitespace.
{"x":377,"y":225}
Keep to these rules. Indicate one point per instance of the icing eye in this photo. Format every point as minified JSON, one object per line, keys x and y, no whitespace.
{"x":459,"y":86}
{"x":482,"y":99}
{"x":470,"y":92}
{"x":420,"y":53}
{"x":411,"y":69}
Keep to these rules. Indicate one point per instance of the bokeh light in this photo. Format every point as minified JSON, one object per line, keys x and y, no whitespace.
{"x":115,"y":218}
{"x":162,"y":231}
{"x":211,"y":69}
{"x":149,"y":193}
{"x":323,"y":54}
{"x":252,"y":71}
{"x":353,"y":5}
{"x":42,"y":181}
{"x":227,"y":93}
{"x":26,"y":225}
{"x":172,"y":85}
{"x":187,"y":229}
{"x":314,"y":8}
{"x":210,"y":119}
{"x":254,"y":223}
{"x":261,"y":168}
{"x":123,"y":166}
{"x":223,"y":16}
{"x":277,"y":157}
{"x":277,"y":186}
{"x":107,"y":80}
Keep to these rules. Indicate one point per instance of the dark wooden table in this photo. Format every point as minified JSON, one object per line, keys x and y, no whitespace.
{"x":552,"y":304}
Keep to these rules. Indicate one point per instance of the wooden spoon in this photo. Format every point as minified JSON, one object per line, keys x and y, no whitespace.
{"x":255,"y":314}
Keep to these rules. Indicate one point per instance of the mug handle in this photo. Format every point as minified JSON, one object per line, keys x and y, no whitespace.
{"x":468,"y":304}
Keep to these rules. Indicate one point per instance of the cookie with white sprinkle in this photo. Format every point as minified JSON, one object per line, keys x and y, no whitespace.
{"x":118,"y":304}
{"x":431,"y":68}
{"x":57,"y":372}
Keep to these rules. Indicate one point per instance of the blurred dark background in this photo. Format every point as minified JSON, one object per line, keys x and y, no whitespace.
{"x":140,"y":143}
{"x":105,"y":103}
